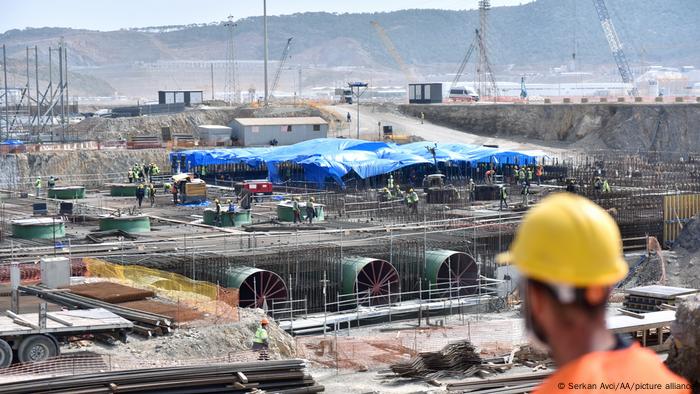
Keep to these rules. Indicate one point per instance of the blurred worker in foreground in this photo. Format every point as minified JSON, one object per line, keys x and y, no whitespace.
{"x":261,"y":340}
{"x":569,"y":253}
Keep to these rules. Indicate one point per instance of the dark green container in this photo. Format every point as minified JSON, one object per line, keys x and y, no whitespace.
{"x":228,"y":219}
{"x":38,"y":228}
{"x":67,"y":192}
{"x":130,"y":224}
{"x":285,"y":212}
{"x":122,"y":189}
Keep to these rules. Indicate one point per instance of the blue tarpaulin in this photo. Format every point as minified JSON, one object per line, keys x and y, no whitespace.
{"x":11,"y":142}
{"x":334,"y":158}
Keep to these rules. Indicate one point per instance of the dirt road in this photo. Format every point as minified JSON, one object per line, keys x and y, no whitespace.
{"x":372,"y":116}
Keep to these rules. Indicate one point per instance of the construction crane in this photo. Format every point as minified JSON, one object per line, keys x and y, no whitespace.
{"x":463,"y":65}
{"x":283,"y":60}
{"x":389,"y":46}
{"x":478,"y":42}
{"x":615,"y":45}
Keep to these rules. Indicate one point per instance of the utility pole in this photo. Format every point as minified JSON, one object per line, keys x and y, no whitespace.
{"x":28,"y":87}
{"x":265,"y":45}
{"x":231,"y":87}
{"x":358,"y":89}
{"x":36,"y":81}
{"x":212,"y":81}
{"x":60,"y":87}
{"x":7,"y":114}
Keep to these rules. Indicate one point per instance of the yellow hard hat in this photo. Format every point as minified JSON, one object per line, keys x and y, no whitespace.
{"x":569,"y":240}
{"x":312,"y":199}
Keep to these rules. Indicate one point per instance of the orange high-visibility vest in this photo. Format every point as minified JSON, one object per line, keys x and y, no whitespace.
{"x":632,"y":369}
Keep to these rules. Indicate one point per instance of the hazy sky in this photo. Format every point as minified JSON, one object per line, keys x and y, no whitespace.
{"x":115,"y":14}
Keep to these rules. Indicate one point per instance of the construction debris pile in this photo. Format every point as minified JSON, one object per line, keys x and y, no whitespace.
{"x":287,"y":376}
{"x":684,"y":355}
{"x":456,"y":359}
{"x":230,"y":342}
{"x":687,"y":254}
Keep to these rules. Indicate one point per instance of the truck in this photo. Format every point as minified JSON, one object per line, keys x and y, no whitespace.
{"x":34,"y":337}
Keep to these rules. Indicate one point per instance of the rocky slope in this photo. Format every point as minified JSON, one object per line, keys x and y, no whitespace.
{"x":662,"y":127}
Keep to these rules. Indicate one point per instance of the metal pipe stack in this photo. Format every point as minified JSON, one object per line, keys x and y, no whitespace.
{"x":283,"y":377}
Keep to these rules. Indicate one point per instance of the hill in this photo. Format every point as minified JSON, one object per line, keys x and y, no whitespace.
{"x":534,"y":33}
{"x":533,"y":36}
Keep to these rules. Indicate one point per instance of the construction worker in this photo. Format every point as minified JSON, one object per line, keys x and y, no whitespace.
{"x":472,"y":190}
{"x":539,"y":171}
{"x":521,"y":175}
{"x":390,"y":182}
{"x":504,"y":198}
{"x":217,"y":212}
{"x":412,"y":197}
{"x":296,"y":210}
{"x":385,"y":195}
{"x":140,"y":193}
{"x":568,"y":251}
{"x":261,"y":340}
{"x":154,"y":170}
{"x":310,"y":211}
{"x":348,"y":117}
{"x":598,"y":186}
{"x":166,"y":187}
{"x":397,"y":193}
{"x":422,"y":117}
{"x":37,"y":186}
{"x":174,"y":191}
{"x":130,"y":175}
{"x":152,"y":194}
{"x":231,"y":206}
{"x":606,"y":186}
{"x":529,"y":176}
{"x":525,"y":190}
{"x":51,"y":183}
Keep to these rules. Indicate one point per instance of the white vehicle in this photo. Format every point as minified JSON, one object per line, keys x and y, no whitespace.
{"x":462,"y":93}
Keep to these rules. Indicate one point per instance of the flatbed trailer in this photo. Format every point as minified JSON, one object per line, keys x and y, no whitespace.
{"x":33,"y":337}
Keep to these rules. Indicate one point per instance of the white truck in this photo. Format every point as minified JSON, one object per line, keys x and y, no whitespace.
{"x":36,"y":337}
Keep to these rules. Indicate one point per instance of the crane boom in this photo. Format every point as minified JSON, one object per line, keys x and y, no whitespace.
{"x":463,"y":65}
{"x":283,"y":60}
{"x":615,"y":44}
{"x":389,"y":46}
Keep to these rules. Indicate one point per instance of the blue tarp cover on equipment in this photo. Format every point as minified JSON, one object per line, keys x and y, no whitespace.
{"x":329,"y":157}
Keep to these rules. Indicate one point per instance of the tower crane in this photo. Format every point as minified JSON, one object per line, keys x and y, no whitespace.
{"x":615,"y":45}
{"x":389,"y":46}
{"x":478,"y":42}
{"x":283,"y":60}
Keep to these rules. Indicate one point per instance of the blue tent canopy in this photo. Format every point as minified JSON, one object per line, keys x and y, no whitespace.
{"x":328,"y":157}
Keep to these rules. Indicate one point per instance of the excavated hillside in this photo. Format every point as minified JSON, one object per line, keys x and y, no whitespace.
{"x":181,"y":123}
{"x":654,"y":127}
{"x":84,"y":167}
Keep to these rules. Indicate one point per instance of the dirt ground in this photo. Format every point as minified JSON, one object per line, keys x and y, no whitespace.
{"x":406,"y":126}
